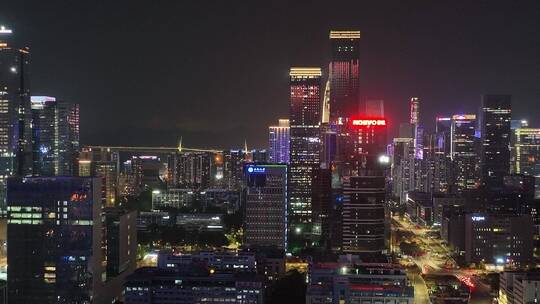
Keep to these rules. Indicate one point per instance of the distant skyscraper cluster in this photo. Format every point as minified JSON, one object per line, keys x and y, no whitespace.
{"x":64,"y":246}
{"x":39,"y":135}
{"x":337,"y":160}
{"x":473,"y":178}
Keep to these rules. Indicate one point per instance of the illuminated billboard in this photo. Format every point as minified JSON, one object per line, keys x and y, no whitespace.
{"x":371,"y":122}
{"x":255,"y":169}
{"x":464,"y":117}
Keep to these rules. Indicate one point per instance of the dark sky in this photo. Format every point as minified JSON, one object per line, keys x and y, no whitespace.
{"x":215,"y":72}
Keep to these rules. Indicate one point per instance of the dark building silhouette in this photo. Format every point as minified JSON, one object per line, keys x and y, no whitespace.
{"x":495,"y":133}
{"x":54,"y":236}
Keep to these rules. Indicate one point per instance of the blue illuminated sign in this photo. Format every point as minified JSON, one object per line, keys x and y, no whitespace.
{"x":252,"y":169}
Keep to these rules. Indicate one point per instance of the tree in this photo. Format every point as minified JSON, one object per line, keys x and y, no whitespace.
{"x":173,"y":235}
{"x":289,"y":289}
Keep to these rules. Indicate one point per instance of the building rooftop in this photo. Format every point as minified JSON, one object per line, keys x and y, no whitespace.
{"x":344,"y":34}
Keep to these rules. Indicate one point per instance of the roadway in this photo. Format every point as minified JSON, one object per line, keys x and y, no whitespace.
{"x":421,"y":294}
{"x":437,"y":260}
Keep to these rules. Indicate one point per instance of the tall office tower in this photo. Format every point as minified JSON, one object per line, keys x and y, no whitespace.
{"x":402,"y":168}
{"x":364,"y":227}
{"x":54,"y":236}
{"x":266,"y":205}
{"x":443,"y":127}
{"x":15,"y":113}
{"x":322,"y":205}
{"x":279,"y":140}
{"x":305,"y":121}
{"x":514,"y":125}
{"x":414,"y":111}
{"x":442,"y":164}
{"x":328,"y":145}
{"x":55,"y":135}
{"x":418,"y":130}
{"x":425,"y":165}
{"x":495,"y":133}
{"x":527,"y":154}
{"x":344,"y":74}
{"x":463,"y":152}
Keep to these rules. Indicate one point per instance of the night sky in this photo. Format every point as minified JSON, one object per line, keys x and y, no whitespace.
{"x":216,"y":72}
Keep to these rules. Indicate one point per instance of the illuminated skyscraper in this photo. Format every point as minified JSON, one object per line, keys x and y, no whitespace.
{"x":402,"y":167}
{"x":417,"y":128}
{"x":305,"y":121}
{"x":15,"y":113}
{"x":279,"y":141}
{"x":55,"y":136}
{"x":266,"y":205}
{"x":495,"y":132}
{"x":364,"y":228}
{"x":442,"y":165}
{"x":464,"y":157}
{"x":415,"y":110}
{"x":344,"y":73}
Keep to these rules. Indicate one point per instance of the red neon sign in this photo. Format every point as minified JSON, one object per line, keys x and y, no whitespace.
{"x":77,"y":197}
{"x":369,"y":122}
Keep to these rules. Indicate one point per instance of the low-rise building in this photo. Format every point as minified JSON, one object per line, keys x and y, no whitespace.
{"x":352,"y":282}
{"x":170,"y":198}
{"x":200,"y":221}
{"x":519,"y":287}
{"x":160,"y":286}
{"x":223,"y":262}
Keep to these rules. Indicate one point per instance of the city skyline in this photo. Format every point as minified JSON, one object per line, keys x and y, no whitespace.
{"x":448,"y":65}
{"x":145,"y":156}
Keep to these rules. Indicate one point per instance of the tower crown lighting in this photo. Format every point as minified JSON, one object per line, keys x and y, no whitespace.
{"x":344,"y":34}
